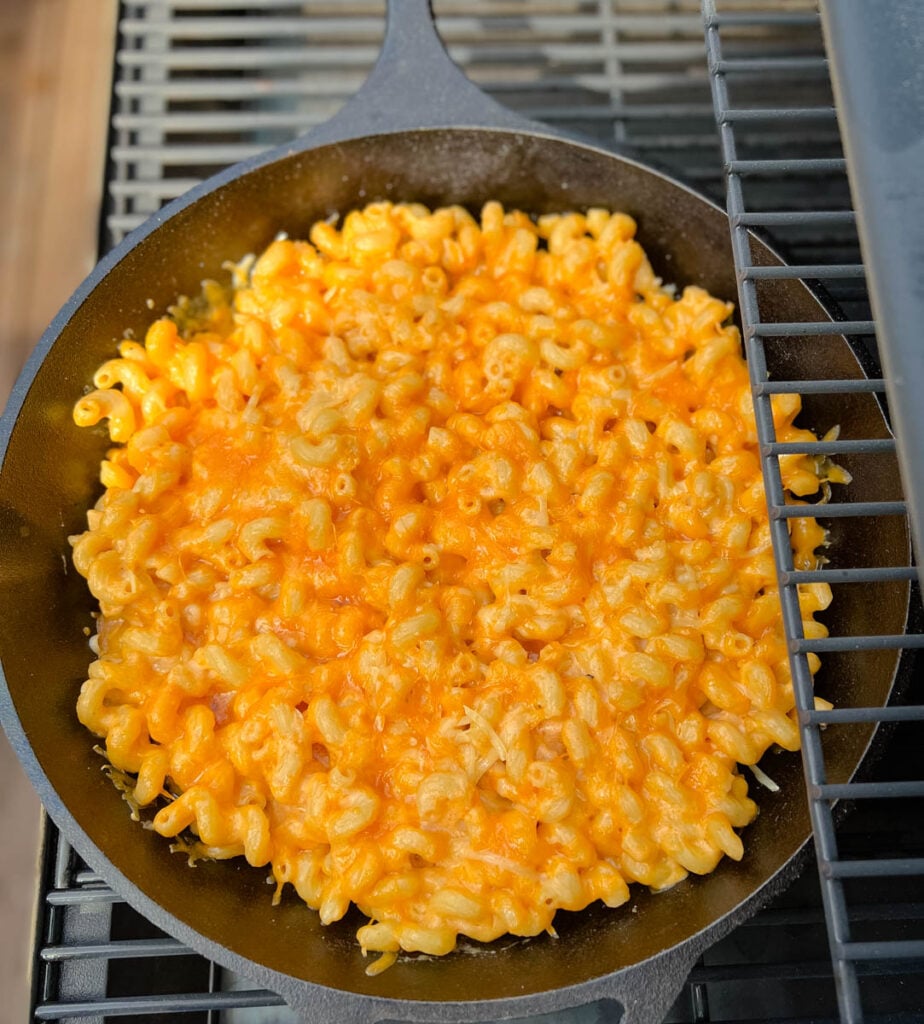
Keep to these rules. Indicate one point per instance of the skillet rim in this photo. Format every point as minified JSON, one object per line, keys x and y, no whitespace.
{"x":94,"y":855}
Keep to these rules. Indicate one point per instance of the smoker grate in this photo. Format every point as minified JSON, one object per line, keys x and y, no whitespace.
{"x":839,"y":872}
{"x":201,"y":83}
{"x":97,"y":960}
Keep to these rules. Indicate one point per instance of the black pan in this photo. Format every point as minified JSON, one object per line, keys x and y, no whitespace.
{"x":418,"y":130}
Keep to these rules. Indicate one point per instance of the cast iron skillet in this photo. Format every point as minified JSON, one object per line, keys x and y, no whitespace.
{"x":418,"y":130}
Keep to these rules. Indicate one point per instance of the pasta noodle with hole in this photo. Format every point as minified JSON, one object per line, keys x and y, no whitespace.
{"x":434,"y":572}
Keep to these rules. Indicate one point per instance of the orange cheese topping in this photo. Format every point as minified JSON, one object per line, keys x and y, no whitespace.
{"x":434,"y":571}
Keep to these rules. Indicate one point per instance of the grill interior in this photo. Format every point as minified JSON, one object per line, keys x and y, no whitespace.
{"x":203,"y":83}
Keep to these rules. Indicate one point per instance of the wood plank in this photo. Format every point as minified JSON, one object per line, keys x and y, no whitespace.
{"x":56,"y":61}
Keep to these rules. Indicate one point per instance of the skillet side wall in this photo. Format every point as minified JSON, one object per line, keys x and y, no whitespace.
{"x":49,"y":480}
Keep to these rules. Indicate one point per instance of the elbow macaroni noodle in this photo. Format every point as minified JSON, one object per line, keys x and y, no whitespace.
{"x":434,"y":571}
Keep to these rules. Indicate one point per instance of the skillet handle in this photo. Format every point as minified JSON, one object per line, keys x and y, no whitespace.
{"x":415,"y":84}
{"x":638,"y":995}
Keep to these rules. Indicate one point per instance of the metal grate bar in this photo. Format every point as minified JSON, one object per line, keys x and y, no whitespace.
{"x":334,"y":81}
{"x":200,"y":29}
{"x":814,"y":330}
{"x":838,"y":510}
{"x":765,"y":19}
{"x":741,"y":170}
{"x":819,"y":387}
{"x":87,"y":878}
{"x":551,"y":18}
{"x":169,"y":156}
{"x":75,"y":897}
{"x":233,"y":59}
{"x":220,"y":89}
{"x":166,"y":189}
{"x":790,"y":165}
{"x":836,"y":716}
{"x":876,"y":642}
{"x":130,"y":1006}
{"x":812,"y":271}
{"x":789,"y":218}
{"x":203,"y":82}
{"x":63,"y":868}
{"x":780,"y":114}
{"x":908,"y":950}
{"x":874,"y":445}
{"x":247,"y":121}
{"x":175,"y":152}
{"x":875,"y":575}
{"x":140,"y":948}
{"x":868,"y":790}
{"x":313,"y":81}
{"x":498,"y":8}
{"x":197,"y":123}
{"x":894,"y":867}
{"x":345,"y":84}
{"x":779,"y":65}
{"x":256,"y":58}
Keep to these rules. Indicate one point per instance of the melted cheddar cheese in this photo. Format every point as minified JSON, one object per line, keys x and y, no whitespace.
{"x":434,"y":571}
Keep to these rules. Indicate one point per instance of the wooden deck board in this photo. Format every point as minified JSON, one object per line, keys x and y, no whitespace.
{"x":56,"y":70}
{"x":56,"y":59}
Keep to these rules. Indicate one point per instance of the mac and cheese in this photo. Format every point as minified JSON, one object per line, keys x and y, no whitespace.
{"x":434,"y":571}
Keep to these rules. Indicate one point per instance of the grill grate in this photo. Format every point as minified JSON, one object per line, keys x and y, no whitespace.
{"x":201,"y":83}
{"x":98,"y":960}
{"x":836,"y":869}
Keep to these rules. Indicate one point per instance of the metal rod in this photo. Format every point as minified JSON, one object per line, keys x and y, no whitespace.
{"x":769,"y":18}
{"x":787,"y":165}
{"x":163,"y":188}
{"x":734,"y":114}
{"x":786,"y":65}
{"x":887,"y":867}
{"x":869,"y":790}
{"x":318,"y":82}
{"x":838,"y":510}
{"x":127,"y":1006}
{"x":819,"y":271}
{"x":820,"y":387}
{"x":879,"y":574}
{"x":876,"y":642}
{"x":200,"y":122}
{"x":789,"y":218}
{"x":812,"y":328}
{"x":116,"y":950}
{"x":74,"y":897}
{"x":87,"y":877}
{"x":215,"y":154}
{"x":231,"y":58}
{"x":199,"y":24}
{"x":870,"y":446}
{"x":838,"y":716}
